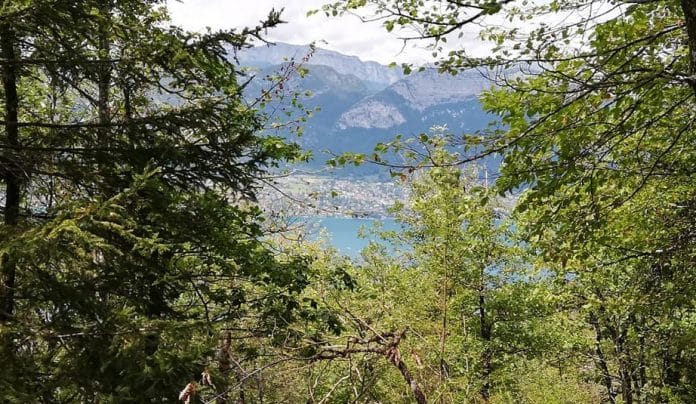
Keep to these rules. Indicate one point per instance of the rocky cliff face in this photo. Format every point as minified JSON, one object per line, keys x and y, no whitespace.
{"x":416,"y":96}
{"x":429,"y":88}
{"x":371,"y":113}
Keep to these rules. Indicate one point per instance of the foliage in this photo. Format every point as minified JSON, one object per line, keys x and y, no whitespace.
{"x":130,"y":241}
{"x":134,"y":260}
{"x":473,"y":307}
{"x":595,"y":105}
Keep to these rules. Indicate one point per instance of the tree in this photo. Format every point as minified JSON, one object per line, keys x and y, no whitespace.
{"x":597,"y":129}
{"x":455,"y":282}
{"x":129,"y":159}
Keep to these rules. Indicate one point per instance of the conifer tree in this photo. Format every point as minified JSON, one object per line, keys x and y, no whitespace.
{"x":128,"y":159}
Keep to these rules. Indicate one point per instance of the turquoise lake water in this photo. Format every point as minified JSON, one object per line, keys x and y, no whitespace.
{"x":343,"y":233}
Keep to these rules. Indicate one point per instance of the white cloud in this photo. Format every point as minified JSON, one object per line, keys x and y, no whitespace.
{"x":345,"y":34}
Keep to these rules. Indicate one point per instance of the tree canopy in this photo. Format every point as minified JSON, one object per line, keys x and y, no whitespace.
{"x":595,"y":106}
{"x":129,"y":161}
{"x":134,"y":260}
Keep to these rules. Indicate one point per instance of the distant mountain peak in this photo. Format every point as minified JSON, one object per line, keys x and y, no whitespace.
{"x":374,"y":73}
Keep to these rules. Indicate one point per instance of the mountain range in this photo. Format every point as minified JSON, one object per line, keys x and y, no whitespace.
{"x":362,"y":103}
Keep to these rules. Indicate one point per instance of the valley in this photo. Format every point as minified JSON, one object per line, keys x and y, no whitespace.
{"x":361,"y":104}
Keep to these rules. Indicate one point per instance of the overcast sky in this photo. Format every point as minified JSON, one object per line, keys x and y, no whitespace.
{"x":346,"y":34}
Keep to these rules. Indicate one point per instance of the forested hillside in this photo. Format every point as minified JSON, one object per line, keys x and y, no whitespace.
{"x":138,"y":265}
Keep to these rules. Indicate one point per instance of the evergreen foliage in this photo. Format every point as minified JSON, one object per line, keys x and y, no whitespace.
{"x":129,"y":243}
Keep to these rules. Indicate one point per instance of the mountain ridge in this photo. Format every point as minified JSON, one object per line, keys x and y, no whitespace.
{"x":364,"y":103}
{"x":278,"y":53}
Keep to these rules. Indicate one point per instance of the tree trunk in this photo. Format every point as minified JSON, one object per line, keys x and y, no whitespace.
{"x":625,"y":368}
{"x":104,"y":82}
{"x":670,"y":373}
{"x":626,"y":386}
{"x":618,"y":336}
{"x":689,"y":9}
{"x":225,"y":366}
{"x":601,"y":361}
{"x":394,"y":357}
{"x":486,"y":356}
{"x":11,"y":170}
{"x":444,"y":373}
{"x":640,"y":376}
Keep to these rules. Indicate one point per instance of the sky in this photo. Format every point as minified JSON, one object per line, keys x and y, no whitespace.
{"x":345,"y":34}
{"x":348,"y":34}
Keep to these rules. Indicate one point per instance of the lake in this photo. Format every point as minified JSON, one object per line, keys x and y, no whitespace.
{"x":343,"y":233}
